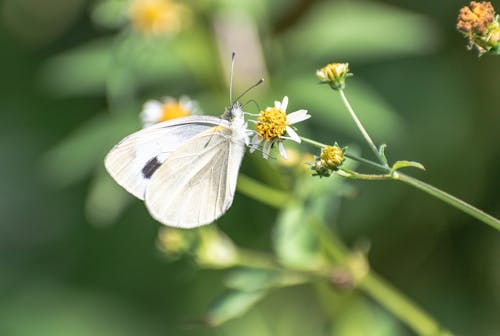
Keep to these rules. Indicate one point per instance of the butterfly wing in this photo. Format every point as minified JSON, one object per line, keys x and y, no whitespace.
{"x":196,"y":183}
{"x":133,"y":160}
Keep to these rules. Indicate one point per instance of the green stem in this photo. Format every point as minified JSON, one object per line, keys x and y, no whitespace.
{"x":450,"y":199}
{"x":313,"y":142}
{"x":401,"y":306}
{"x":431,"y":190}
{"x":381,"y":291}
{"x":257,"y":260}
{"x":371,"y":284}
{"x":355,"y":175}
{"x":261,"y":192}
{"x":362,"y":129}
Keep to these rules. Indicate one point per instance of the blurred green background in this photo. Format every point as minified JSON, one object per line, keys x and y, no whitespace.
{"x":78,"y":256}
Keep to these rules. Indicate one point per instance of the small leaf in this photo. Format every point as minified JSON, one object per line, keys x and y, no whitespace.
{"x":106,"y":200}
{"x":232,"y":305}
{"x":403,"y":164}
{"x":381,"y":151}
{"x":249,"y":279}
{"x":295,"y":242}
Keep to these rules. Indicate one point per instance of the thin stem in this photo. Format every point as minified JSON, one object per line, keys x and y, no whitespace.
{"x":431,"y":190}
{"x":313,"y":142}
{"x":355,"y":175}
{"x":348,"y":155}
{"x":362,"y":129}
{"x":368,"y":162}
{"x":450,"y":199}
{"x":258,"y":260}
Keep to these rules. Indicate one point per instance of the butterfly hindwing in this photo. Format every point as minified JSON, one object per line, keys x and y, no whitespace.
{"x":196,"y":183}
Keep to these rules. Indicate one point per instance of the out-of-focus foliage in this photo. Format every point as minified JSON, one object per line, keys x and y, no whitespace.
{"x":79,"y":256}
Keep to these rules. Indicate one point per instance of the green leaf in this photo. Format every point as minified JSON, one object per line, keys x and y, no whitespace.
{"x":371,"y":32}
{"x":78,"y":155}
{"x":403,"y":164}
{"x":250,"y":280}
{"x":117,"y":66}
{"x":111,"y":13}
{"x":381,"y":151}
{"x":295,"y":241}
{"x":80,"y":71}
{"x":232,"y":305}
{"x":359,"y":316}
{"x":106,"y":200}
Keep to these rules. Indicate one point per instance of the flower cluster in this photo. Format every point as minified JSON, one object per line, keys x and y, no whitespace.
{"x":334,"y":74}
{"x":156,"y":17}
{"x":481,"y":26}
{"x":330,"y":160}
{"x":155,"y":111}
{"x":273,"y":126}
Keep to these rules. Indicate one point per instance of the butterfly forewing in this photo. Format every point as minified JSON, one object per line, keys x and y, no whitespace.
{"x":135,"y":159}
{"x":196,"y":183}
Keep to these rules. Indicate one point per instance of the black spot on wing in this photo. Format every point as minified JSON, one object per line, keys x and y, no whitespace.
{"x":150,"y":167}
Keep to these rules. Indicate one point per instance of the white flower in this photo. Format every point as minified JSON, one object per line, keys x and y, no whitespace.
{"x":155,"y":111}
{"x":273,"y":126}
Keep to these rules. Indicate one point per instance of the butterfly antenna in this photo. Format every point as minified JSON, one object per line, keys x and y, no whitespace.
{"x":231,"y":79}
{"x":254,"y":102}
{"x":250,"y":88}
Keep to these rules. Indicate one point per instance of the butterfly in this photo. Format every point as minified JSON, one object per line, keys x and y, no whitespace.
{"x":184,"y":169}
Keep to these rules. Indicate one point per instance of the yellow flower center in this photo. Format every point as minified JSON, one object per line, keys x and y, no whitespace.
{"x":155,"y":16}
{"x":332,"y":157}
{"x":271,"y":123}
{"x":172,"y":110}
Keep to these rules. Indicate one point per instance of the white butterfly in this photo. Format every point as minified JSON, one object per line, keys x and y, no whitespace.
{"x":184,"y":169}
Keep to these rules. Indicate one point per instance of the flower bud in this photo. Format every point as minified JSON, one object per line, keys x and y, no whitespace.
{"x":334,"y":74}
{"x":174,"y":242}
{"x":216,"y":250}
{"x":333,"y":157}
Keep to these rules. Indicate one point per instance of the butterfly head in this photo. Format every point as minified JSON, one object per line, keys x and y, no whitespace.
{"x":233,"y":112}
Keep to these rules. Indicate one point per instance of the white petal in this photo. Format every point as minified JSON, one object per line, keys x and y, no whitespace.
{"x":293,"y":135}
{"x":282,"y":150}
{"x":152,"y":106}
{"x":277,"y":104}
{"x":284,"y":104}
{"x":151,"y":112}
{"x":256,"y":139}
{"x":297,"y":116}
{"x":266,"y":149}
